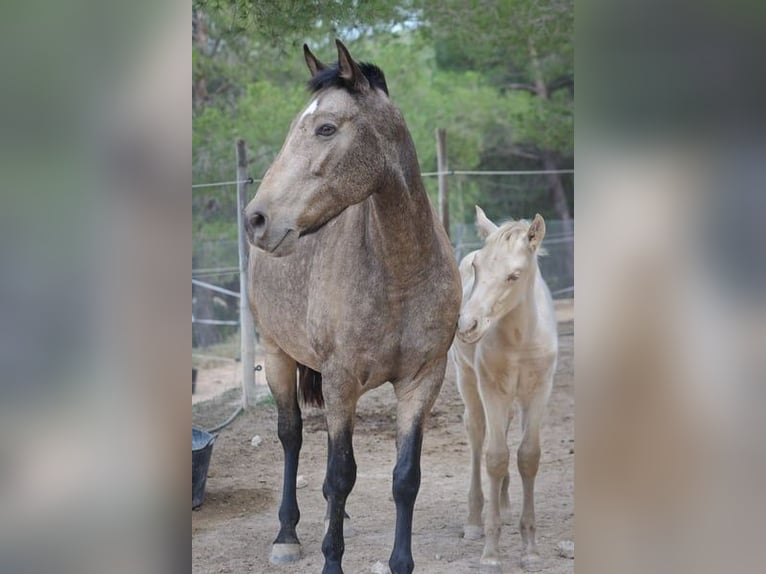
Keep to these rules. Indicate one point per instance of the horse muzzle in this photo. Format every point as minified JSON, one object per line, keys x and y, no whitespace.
{"x":470,"y":329}
{"x":277,"y":240}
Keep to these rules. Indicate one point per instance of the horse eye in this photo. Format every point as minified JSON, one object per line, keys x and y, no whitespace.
{"x":513,"y":276}
{"x":325,"y":130}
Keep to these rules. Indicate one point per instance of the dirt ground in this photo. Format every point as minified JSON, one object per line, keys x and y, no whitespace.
{"x":233,"y":530}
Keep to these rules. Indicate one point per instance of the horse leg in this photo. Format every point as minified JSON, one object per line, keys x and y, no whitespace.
{"x":415,"y":398}
{"x":473,"y":418}
{"x":341,"y":470}
{"x":347,"y":527}
{"x":505,"y":487}
{"x":498,"y":411}
{"x":528,"y":460}
{"x":280,"y":375}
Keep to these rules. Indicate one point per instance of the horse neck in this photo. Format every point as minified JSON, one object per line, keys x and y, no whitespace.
{"x":401,"y":221}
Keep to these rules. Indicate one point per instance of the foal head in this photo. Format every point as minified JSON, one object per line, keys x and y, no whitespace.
{"x":503,"y":271}
{"x":336,"y":154}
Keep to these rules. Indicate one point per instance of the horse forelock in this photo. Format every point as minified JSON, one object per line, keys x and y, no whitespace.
{"x":330,"y":78}
{"x":510,"y":232}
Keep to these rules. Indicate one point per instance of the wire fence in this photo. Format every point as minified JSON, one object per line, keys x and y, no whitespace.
{"x":215,"y":282}
{"x":223,"y":183}
{"x":423,"y":174}
{"x":517,"y":193}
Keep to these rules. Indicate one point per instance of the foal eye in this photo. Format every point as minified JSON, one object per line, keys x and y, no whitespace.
{"x":325,"y":130}
{"x":513,"y":276}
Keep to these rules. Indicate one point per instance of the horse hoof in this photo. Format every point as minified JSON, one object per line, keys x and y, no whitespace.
{"x":490,"y":566}
{"x":471,"y":532}
{"x":285,"y":553}
{"x":531,"y":563}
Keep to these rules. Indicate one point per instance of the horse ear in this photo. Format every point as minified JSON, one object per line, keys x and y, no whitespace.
{"x":349,"y":70}
{"x":536,"y":231}
{"x":315,"y":65}
{"x":484,"y":227}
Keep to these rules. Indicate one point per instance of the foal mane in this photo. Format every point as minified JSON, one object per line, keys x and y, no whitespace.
{"x":330,"y":78}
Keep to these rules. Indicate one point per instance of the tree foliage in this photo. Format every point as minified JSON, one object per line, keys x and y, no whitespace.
{"x":498,"y":75}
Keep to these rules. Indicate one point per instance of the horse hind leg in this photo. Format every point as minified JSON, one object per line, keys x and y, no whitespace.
{"x":281,"y":377}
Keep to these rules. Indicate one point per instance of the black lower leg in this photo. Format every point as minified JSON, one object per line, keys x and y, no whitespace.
{"x":405,"y":488}
{"x":340,"y":479}
{"x":290,"y":430}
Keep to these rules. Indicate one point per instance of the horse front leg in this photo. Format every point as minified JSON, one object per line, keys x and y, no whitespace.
{"x":415,"y":400}
{"x":341,"y":470}
{"x":528,"y":460}
{"x":473,"y":418}
{"x":281,"y":377}
{"x":498,"y":411}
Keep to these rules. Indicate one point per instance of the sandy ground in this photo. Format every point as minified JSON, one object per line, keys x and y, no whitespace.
{"x":233,"y":530}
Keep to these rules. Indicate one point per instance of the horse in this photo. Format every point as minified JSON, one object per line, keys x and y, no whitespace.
{"x":353,"y":281}
{"x":505,"y":351}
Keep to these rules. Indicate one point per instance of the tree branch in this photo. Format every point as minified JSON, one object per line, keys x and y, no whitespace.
{"x":526,"y":87}
{"x":215,"y":47}
{"x":518,"y":152}
{"x":566,"y":81}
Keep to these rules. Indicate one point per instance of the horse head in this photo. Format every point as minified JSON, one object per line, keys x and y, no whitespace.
{"x":503,"y":270}
{"x":335,"y":154}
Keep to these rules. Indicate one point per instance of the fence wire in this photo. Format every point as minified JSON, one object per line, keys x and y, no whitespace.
{"x":215,"y":273}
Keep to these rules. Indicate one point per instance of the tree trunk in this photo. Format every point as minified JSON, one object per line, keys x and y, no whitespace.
{"x":200,"y":39}
{"x":561,"y":207}
{"x":555,"y":187}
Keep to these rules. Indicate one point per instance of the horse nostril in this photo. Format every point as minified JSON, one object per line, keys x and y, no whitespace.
{"x":257,"y":222}
{"x":470,"y":328}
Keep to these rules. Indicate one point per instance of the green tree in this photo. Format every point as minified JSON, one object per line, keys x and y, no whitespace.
{"x":524,"y":47}
{"x":501,"y":83}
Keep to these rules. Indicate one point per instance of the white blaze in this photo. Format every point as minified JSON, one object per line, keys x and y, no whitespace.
{"x":311,"y":109}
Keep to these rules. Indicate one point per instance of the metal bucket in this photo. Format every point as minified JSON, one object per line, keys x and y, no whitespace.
{"x":202,"y":448}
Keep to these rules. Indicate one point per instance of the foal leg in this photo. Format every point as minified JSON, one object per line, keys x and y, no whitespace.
{"x":280,"y":375}
{"x":528,"y":459}
{"x":340,"y":407}
{"x":473,"y":418}
{"x":415,"y":398}
{"x":505,"y":497}
{"x":498,"y":406}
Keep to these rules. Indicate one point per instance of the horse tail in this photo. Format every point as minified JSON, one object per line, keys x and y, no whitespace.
{"x":310,"y":386}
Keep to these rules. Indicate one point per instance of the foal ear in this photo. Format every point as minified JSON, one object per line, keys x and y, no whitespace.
{"x":484,"y":227}
{"x":350,"y":70}
{"x":315,"y":65}
{"x":536,"y":231}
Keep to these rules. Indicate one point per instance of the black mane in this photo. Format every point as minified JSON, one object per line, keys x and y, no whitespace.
{"x":330,"y":77}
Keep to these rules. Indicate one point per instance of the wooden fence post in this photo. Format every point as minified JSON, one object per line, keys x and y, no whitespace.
{"x":246,"y":325}
{"x":442,"y":167}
